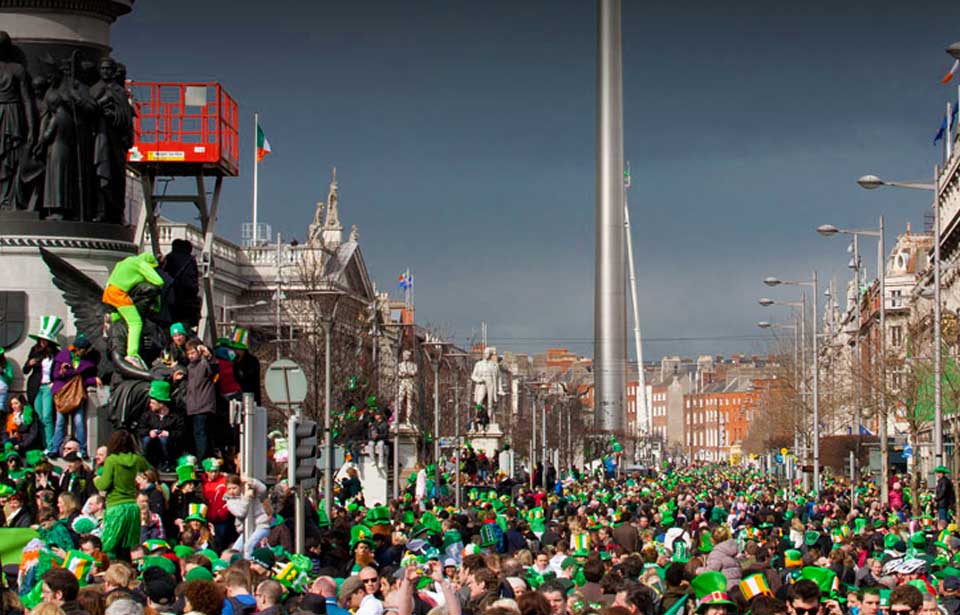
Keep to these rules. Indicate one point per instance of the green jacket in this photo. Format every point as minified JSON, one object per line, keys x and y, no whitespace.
{"x":119,"y":478}
{"x":133,"y":270}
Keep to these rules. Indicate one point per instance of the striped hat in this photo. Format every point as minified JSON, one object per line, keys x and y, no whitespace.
{"x":792,"y":558}
{"x":580,"y":544}
{"x":240,"y":339}
{"x":196,"y":512}
{"x":755,"y":585}
{"x":50,"y":328}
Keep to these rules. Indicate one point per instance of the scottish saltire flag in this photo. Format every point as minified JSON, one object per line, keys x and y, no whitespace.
{"x":943,"y":124}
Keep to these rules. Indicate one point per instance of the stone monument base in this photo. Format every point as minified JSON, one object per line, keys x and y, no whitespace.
{"x":92,"y":248}
{"x":489,"y":441}
{"x":405,"y":438}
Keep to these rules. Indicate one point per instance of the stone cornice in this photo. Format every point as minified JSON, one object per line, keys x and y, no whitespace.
{"x":67,"y":242}
{"x":109,"y":9}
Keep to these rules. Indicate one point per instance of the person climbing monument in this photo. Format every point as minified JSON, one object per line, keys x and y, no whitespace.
{"x":125,"y":276}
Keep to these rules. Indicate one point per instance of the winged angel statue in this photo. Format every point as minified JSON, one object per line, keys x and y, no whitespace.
{"x":130,"y":384}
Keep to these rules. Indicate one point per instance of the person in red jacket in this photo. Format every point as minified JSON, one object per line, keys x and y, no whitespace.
{"x":214,"y":488}
{"x":227,"y":384}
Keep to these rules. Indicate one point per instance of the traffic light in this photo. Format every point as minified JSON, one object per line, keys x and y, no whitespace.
{"x":302,"y":452}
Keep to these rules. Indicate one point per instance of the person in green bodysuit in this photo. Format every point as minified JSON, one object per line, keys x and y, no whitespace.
{"x":125,"y":276}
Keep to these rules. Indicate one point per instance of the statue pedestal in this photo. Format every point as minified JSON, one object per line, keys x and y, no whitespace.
{"x":488,"y":441}
{"x":405,"y":438}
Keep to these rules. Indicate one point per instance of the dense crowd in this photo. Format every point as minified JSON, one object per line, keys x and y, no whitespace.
{"x":112,"y":538}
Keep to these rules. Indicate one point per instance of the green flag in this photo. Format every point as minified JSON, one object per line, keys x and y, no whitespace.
{"x":12,"y":542}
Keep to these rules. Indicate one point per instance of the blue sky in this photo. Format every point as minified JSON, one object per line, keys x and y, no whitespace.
{"x":463,"y":136}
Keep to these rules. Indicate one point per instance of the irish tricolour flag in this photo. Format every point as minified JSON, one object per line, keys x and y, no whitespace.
{"x":263,"y":146}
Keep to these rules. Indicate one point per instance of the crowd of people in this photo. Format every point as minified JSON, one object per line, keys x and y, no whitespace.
{"x":111,"y":537}
{"x":186,"y":410}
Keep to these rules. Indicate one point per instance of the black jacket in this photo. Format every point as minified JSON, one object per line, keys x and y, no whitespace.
{"x":945,"y":497}
{"x":36,"y":372}
{"x":172,"y":422}
{"x":246,"y":371}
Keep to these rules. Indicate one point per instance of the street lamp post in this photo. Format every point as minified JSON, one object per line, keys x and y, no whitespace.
{"x":771,"y":281}
{"x":871,"y":182}
{"x":437,"y":345}
{"x":801,"y":377}
{"x":796,"y":364}
{"x":828,"y":230}
{"x":327,"y":318}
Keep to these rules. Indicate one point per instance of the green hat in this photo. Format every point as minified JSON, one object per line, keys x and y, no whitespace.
{"x":212,"y":464}
{"x":154,"y":544}
{"x":183,"y":551}
{"x":710,"y":588}
{"x":430,"y":521}
{"x":160,"y":391}
{"x":196,"y":512}
{"x":792,"y":558}
{"x":156,"y":561}
{"x":198,"y":573}
{"x":186,"y":460}
{"x":218,"y":565}
{"x":918,"y":539}
{"x":810,"y":537}
{"x":942,"y":469}
{"x":50,"y":328}
{"x":890,"y":541}
{"x":488,"y":536}
{"x":34,"y":457}
{"x":378,"y":515}
{"x":361,"y":533}
{"x":825,"y":579}
{"x":408,"y":518}
{"x":240,"y":339}
{"x":186,"y":474}
{"x":178,"y":328}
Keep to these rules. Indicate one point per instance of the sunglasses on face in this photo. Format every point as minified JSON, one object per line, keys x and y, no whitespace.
{"x":901,"y":611}
{"x":373,"y":580}
{"x":802,"y":611}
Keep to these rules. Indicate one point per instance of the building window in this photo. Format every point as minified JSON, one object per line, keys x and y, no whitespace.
{"x":896,"y":336}
{"x":896,"y":298}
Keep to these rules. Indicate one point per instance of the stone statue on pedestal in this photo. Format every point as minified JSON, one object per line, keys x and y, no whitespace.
{"x":487,"y":387}
{"x":18,"y":124}
{"x":64,"y":136}
{"x":114,"y":137}
{"x":407,"y":393}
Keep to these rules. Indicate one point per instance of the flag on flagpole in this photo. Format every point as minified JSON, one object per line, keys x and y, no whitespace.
{"x":951,"y":72}
{"x":627,"y":181}
{"x":263,"y":146}
{"x":405,"y":280}
{"x":943,"y":125}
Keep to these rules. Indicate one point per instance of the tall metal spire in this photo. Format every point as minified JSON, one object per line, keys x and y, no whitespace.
{"x":609,"y":317}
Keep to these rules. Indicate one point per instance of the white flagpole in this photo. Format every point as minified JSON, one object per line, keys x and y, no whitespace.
{"x":643,"y":420}
{"x":256,"y":165}
{"x":948,"y":137}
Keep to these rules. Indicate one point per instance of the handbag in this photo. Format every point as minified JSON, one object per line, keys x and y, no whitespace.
{"x":71,"y":396}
